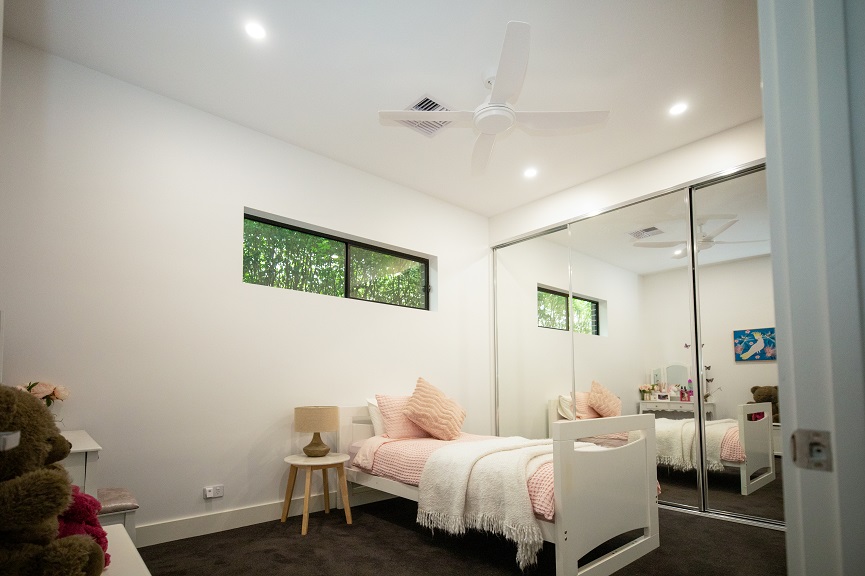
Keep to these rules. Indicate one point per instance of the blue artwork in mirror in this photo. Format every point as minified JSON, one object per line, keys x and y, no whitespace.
{"x":754,"y":344}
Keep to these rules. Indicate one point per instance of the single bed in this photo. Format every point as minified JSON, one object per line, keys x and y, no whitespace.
{"x":598,"y":494}
{"x":744,"y":443}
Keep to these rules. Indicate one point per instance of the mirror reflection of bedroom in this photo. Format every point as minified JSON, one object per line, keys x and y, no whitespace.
{"x":616,"y":301}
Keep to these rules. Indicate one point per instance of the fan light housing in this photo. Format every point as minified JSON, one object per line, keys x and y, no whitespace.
{"x":494,"y":119}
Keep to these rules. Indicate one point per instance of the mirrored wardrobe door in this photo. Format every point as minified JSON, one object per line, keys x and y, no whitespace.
{"x":737,"y":333}
{"x":533,"y":342}
{"x":631,"y":294}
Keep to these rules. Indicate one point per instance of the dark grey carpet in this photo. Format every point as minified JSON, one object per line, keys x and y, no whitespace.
{"x":385,"y":539}
{"x":725,"y":492}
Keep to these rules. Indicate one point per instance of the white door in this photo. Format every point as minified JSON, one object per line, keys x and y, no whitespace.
{"x":813,"y":57}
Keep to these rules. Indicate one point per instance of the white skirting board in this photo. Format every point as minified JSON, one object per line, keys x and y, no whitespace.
{"x":169,"y":530}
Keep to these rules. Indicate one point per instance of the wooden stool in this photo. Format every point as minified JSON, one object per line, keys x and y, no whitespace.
{"x":323,"y":463}
{"x":118,"y":507}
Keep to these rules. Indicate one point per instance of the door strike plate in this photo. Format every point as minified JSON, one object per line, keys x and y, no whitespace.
{"x":812,"y":449}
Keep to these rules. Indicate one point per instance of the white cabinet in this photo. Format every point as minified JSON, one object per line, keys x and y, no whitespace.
{"x":680,"y":408}
{"x":82,"y":460}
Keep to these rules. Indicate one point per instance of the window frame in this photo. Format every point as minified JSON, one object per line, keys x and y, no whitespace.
{"x":564,"y":295}
{"x":596,"y":315}
{"x":347,"y":244}
{"x":596,"y":311}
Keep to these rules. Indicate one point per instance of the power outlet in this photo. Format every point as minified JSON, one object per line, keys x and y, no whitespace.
{"x":216,"y":491}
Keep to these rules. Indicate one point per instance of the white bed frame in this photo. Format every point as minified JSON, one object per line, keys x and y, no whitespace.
{"x":599,"y":494}
{"x":755,"y":437}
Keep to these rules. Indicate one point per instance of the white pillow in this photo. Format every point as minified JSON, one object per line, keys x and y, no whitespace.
{"x":375,"y":416}
{"x":566,"y":407}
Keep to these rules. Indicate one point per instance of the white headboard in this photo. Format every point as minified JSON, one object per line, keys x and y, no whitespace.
{"x":354,"y":425}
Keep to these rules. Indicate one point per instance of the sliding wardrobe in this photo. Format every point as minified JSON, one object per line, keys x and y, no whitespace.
{"x":659,"y":300}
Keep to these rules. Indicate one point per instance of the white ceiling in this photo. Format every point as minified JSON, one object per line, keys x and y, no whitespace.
{"x":741,"y":200}
{"x":328,"y":66}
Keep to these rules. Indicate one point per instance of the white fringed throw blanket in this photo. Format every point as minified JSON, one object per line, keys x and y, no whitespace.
{"x":482,"y":485}
{"x":675,"y":441}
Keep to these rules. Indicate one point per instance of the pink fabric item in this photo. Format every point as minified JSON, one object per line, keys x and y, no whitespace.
{"x":403,"y":461}
{"x":581,"y":407}
{"x":82,"y":518}
{"x":731,"y":447}
{"x":604,"y":401}
{"x":431,"y":410}
{"x":541,"y":491}
{"x":396,"y":423}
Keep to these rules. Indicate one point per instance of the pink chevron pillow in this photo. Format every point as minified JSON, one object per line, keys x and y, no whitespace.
{"x":604,"y":402}
{"x":430,"y":409}
{"x":582,"y":410}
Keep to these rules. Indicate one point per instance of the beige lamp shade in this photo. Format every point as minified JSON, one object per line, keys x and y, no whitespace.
{"x":316,"y":419}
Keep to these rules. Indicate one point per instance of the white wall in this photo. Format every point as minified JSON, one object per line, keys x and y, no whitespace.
{"x":121,"y":227}
{"x":535,"y":364}
{"x":733,"y":296}
{"x":613,"y":359}
{"x":665,"y":326}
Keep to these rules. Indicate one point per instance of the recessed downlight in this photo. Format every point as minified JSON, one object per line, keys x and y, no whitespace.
{"x":530,"y":172}
{"x":678,"y":252}
{"x":255,"y":30}
{"x":678,"y":108}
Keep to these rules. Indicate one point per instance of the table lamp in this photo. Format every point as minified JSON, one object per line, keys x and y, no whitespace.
{"x":316,"y":419}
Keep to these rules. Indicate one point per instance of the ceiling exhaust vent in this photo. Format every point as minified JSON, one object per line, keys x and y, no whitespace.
{"x":427,"y":128}
{"x":645,"y":233}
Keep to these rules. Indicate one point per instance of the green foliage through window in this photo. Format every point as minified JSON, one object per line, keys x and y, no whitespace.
{"x":383,"y":277}
{"x":284,"y":257}
{"x":553,"y":312}
{"x":585,"y":315}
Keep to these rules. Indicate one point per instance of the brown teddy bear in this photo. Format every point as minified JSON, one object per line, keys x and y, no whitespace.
{"x":34,"y":490}
{"x":767,"y":394}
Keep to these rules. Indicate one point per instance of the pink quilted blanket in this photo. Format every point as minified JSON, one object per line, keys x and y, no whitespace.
{"x":403,"y":460}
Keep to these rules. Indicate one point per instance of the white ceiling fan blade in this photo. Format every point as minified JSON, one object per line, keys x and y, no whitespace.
{"x":512,"y":63}
{"x":559,"y":120}
{"x":482,"y":152}
{"x":426,"y":116}
{"x":658,"y":244}
{"x":737,"y":241}
{"x":719,"y":230}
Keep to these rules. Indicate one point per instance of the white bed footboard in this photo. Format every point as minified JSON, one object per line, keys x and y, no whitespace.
{"x":601,"y":494}
{"x":756,"y":439}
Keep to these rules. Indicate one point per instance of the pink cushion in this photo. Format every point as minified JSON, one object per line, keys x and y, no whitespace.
{"x":396,"y":424}
{"x":604,"y":402}
{"x":582,"y":410}
{"x":430,"y":409}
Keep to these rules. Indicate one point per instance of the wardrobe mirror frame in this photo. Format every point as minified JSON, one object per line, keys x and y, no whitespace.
{"x":688,"y":188}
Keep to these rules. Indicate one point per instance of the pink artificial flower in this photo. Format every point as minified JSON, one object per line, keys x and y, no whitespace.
{"x":45,"y":391}
{"x":42,"y":389}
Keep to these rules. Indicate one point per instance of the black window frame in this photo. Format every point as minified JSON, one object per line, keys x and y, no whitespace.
{"x":596,"y":322}
{"x":596,"y":306}
{"x":564,"y":295}
{"x":348,"y":243}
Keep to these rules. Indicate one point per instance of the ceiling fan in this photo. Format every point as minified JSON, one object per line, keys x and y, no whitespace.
{"x":496,"y":115}
{"x":704,"y":240}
